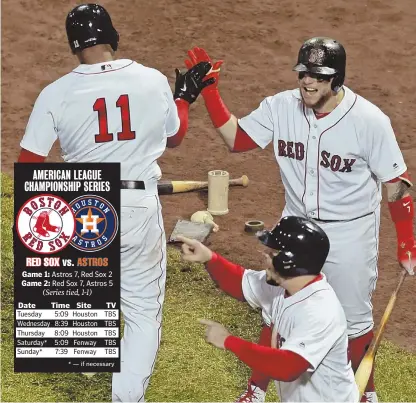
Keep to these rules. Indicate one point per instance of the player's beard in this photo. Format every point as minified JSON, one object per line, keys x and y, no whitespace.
{"x":318,"y":104}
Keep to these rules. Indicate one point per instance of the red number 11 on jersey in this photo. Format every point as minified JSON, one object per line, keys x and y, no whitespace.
{"x":126,"y":133}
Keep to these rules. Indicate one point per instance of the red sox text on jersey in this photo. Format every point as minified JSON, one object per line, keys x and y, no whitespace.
{"x":297,"y":151}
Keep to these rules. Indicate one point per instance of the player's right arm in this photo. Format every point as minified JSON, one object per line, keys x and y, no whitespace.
{"x":255,"y":130}
{"x":228,"y":276}
{"x":41,"y":130}
{"x":386,"y":162}
{"x":242,"y":284}
{"x":236,"y":139}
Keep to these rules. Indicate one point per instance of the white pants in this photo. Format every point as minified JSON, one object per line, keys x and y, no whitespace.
{"x":143,"y":277}
{"x":351,"y":267}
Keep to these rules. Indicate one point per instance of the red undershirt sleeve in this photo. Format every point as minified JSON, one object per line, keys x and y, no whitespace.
{"x":217,"y":110}
{"x":28,"y":156}
{"x":278,"y":364}
{"x":402,"y":214}
{"x":228,"y":276}
{"x":243,"y":142}
{"x":220,"y":115}
{"x":257,"y":377}
{"x":183,"y":113}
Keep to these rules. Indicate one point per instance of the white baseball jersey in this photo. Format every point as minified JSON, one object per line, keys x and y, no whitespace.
{"x":331,"y":167}
{"x":310,"y":323}
{"x":118,"y":111}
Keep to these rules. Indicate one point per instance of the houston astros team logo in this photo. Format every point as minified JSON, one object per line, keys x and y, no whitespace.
{"x":96,"y":223}
{"x":45,"y":224}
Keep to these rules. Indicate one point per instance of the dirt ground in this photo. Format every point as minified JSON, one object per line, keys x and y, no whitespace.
{"x":259,"y":41}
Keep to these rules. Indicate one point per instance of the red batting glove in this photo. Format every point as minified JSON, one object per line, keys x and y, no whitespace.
{"x":406,"y":254}
{"x":197,"y":55}
{"x":216,"y":108}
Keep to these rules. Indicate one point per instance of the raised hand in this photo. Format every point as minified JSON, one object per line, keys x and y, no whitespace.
{"x":198,"y":55}
{"x":189,"y":85}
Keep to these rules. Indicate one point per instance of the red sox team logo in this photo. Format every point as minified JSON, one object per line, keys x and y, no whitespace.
{"x":316,"y":56}
{"x":296,"y":150}
{"x":45,"y":224}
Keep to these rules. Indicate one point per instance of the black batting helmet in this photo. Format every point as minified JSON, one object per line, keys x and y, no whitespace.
{"x":302,"y":245}
{"x":324,"y":56}
{"x":89,"y":25}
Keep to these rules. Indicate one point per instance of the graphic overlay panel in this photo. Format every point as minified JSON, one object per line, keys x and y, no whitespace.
{"x":67,"y":267}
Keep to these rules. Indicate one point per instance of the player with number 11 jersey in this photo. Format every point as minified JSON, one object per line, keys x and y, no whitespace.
{"x":117,"y":110}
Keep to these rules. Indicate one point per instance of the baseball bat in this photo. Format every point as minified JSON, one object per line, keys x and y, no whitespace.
{"x":170,"y":187}
{"x":363,"y":372}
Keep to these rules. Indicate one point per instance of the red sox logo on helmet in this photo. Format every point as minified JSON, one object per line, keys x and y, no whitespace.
{"x":316,"y":56}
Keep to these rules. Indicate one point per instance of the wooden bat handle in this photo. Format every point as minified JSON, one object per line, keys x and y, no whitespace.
{"x":243,"y":181}
{"x":170,"y":187}
{"x":363,"y":372}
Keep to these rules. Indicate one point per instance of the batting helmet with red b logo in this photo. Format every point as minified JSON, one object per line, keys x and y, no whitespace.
{"x":324,"y":57}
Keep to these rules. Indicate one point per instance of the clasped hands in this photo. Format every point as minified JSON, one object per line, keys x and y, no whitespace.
{"x":202,"y":76}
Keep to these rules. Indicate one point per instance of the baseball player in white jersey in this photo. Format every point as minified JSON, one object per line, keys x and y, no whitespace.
{"x":117,"y":110}
{"x":334,"y":150}
{"x":307,"y":357}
